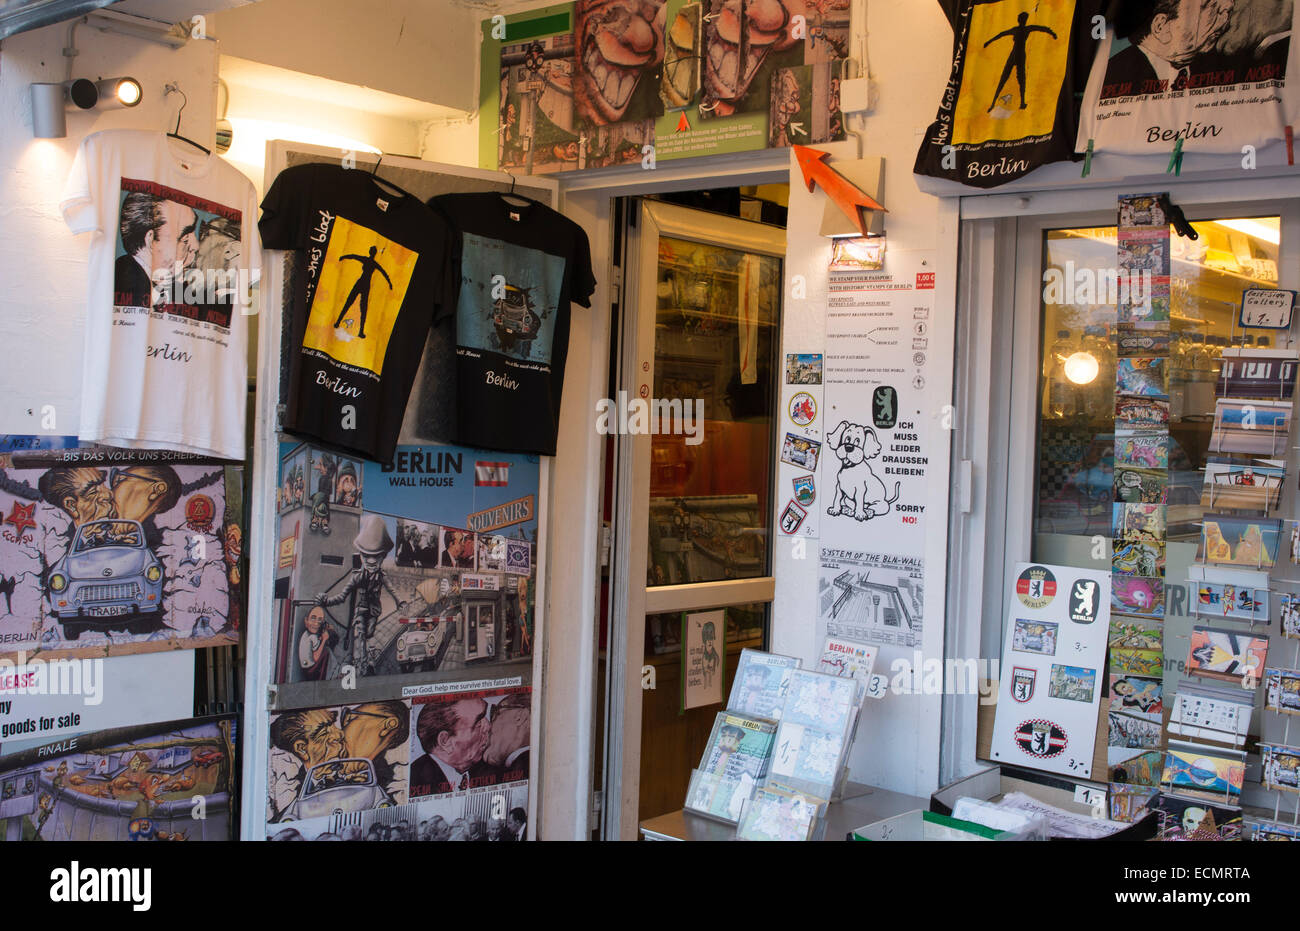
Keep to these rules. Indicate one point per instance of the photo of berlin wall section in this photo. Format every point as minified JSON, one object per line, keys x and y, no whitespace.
{"x":871,"y":597}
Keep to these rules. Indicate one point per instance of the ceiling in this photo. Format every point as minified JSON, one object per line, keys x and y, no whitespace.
{"x":21,"y":15}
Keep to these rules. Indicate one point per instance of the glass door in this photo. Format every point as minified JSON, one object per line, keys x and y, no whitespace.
{"x":695,"y":418}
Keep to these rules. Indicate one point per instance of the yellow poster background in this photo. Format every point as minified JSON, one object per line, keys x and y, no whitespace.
{"x":336,"y":281}
{"x":1045,"y":62}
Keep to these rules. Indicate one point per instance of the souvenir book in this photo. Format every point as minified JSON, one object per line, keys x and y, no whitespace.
{"x":1280,"y":767}
{"x":1198,"y":771}
{"x":735,"y":760}
{"x":1204,"y":712}
{"x":1282,"y":690}
{"x":1181,"y":818}
{"x":760,"y":684}
{"x":809,"y":757}
{"x":1229,"y":655}
{"x":819,"y":700}
{"x":775,"y":814}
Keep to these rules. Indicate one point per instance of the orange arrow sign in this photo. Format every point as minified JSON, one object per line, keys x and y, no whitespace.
{"x":847,"y":196}
{"x":683,"y":124}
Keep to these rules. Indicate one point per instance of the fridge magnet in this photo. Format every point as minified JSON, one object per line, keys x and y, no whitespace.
{"x":805,"y":489}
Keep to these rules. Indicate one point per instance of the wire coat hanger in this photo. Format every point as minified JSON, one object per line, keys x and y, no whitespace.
{"x":176,"y":133}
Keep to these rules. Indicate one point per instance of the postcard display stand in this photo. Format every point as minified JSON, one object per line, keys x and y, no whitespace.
{"x":778,"y":755}
{"x":458,"y":633}
{"x":1241,"y":541}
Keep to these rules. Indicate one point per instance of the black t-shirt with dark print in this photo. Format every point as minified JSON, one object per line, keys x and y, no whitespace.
{"x":377,"y":269}
{"x":520,"y":267}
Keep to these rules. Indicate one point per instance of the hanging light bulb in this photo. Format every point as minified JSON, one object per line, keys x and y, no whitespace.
{"x":1081,"y":368}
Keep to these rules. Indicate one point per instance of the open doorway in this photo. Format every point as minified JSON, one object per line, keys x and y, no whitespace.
{"x":689,"y":497}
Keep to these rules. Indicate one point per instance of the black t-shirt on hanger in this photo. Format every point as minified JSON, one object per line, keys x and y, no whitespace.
{"x":520,"y":267}
{"x":378,"y":268}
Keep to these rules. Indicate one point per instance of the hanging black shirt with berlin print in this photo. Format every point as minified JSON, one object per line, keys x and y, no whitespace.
{"x":520,"y":267}
{"x":377,"y":269}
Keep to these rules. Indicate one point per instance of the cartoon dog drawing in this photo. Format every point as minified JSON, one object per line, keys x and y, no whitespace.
{"x":858,"y":492}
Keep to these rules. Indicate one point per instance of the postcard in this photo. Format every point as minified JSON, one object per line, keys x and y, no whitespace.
{"x":1072,"y":683}
{"x":1258,"y":428}
{"x":1131,"y":341}
{"x":1241,"y":594}
{"x":1141,"y":523}
{"x":1134,"y":558}
{"x":1193,"y":819}
{"x":1290,"y":616}
{"x":1253,"y":486}
{"x":1138,"y":662}
{"x":1204,"y":772}
{"x":1135,"y":413}
{"x":1135,"y":633}
{"x":1129,"y":803}
{"x":1141,"y":486}
{"x":1034,"y":637}
{"x":1267,"y":374}
{"x":1137,"y":695}
{"x":1142,"y":377}
{"x":1144,"y":769}
{"x":1142,"y":450}
{"x":1228,"y":655}
{"x":1282,"y":690}
{"x":1209,"y":713}
{"x":1239,"y":541}
{"x":1133,"y":594}
{"x":1280,"y":767}
{"x":1272,"y":830}
{"x":1131,"y":731}
{"x":800,"y":451}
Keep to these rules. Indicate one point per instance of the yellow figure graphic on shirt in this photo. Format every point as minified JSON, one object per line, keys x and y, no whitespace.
{"x":359,"y":293}
{"x":1015,"y":64}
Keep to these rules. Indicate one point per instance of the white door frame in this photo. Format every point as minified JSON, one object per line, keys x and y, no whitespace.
{"x":573,"y":605}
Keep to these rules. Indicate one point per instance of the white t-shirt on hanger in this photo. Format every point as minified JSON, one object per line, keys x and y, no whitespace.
{"x":173,"y":252}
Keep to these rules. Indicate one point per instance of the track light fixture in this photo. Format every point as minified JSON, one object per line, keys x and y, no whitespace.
{"x":50,"y":102}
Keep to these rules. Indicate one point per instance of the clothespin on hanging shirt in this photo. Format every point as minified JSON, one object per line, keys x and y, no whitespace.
{"x":1290,"y":146}
{"x":1087,"y":160}
{"x":1176,"y":159}
{"x":1174,"y":214}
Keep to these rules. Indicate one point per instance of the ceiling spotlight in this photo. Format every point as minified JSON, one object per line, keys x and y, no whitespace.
{"x":51,"y":101}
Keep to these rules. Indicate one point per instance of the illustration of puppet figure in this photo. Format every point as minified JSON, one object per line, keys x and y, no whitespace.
{"x":618,"y":41}
{"x":738,"y":37}
{"x":708,"y":634}
{"x":372,"y":544}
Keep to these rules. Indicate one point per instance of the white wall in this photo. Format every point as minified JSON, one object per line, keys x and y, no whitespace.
{"x":42,"y":265}
{"x":897,"y":744}
{"x":423,"y":49}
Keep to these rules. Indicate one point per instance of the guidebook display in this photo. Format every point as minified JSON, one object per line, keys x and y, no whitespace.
{"x":777,"y":755}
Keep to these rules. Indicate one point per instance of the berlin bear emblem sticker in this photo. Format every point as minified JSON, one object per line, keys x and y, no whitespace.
{"x":1041,"y":739}
{"x":1022,"y":683}
{"x":1036,"y":587}
{"x":1085,"y":599}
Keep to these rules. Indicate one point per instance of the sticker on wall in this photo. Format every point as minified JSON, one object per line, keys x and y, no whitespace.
{"x":803,"y":368}
{"x":805,"y":491}
{"x":1041,"y":739}
{"x":1036,"y":587}
{"x":884,"y":405}
{"x":1022,"y":683}
{"x":1085,"y":597}
{"x":792,"y":517}
{"x":803,"y":408}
